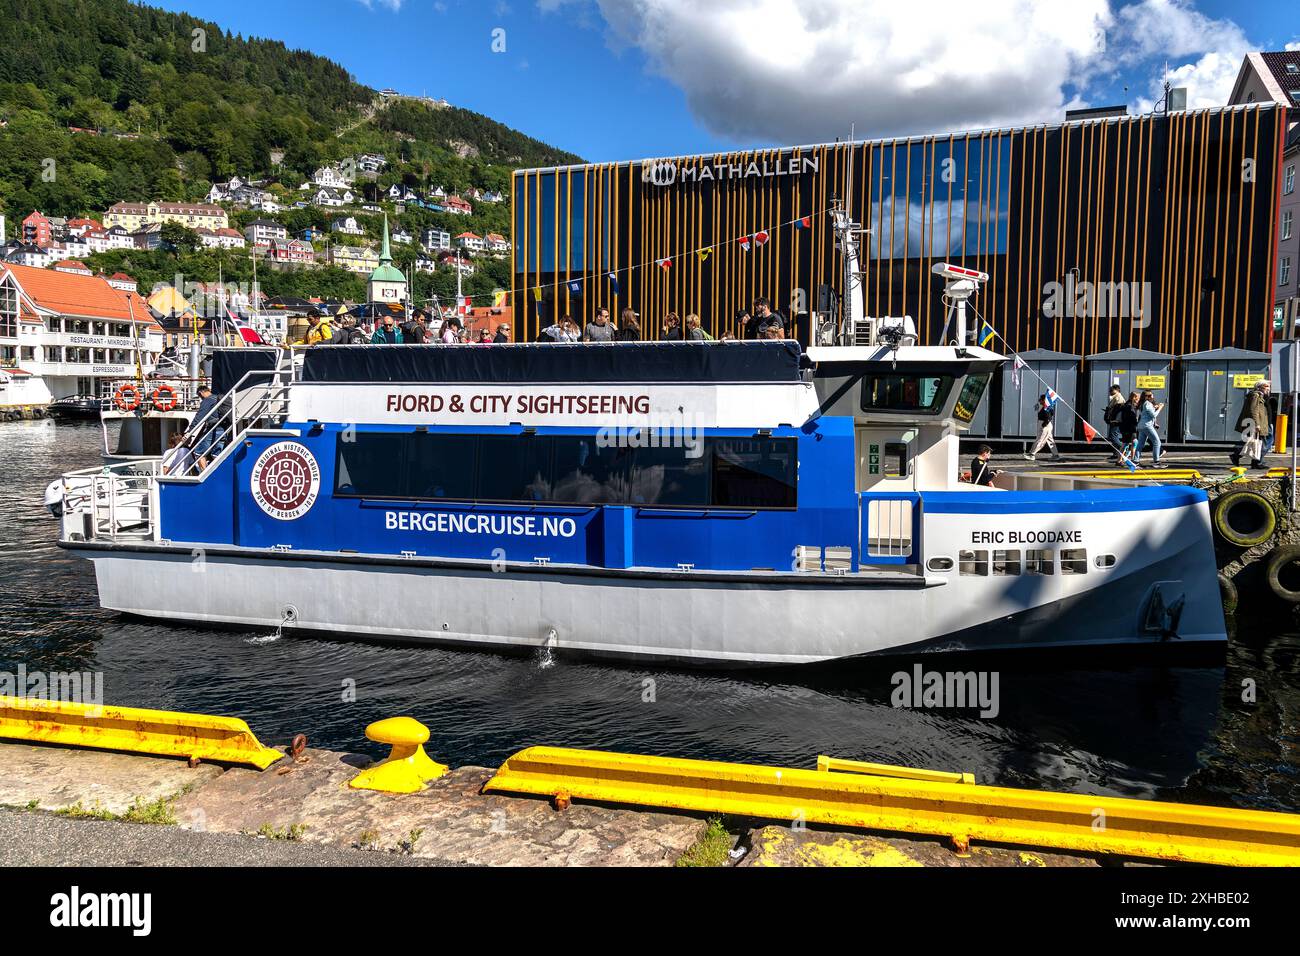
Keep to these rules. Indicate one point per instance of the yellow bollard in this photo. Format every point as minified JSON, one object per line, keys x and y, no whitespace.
{"x":1279,"y":434}
{"x":408,"y":768}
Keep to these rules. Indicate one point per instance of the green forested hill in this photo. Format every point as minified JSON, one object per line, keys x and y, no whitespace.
{"x":109,"y":100}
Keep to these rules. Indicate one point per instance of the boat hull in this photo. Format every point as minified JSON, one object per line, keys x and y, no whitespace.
{"x":695,"y":618}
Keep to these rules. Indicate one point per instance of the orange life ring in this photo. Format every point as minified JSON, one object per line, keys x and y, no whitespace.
{"x":163,"y":398}
{"x":127,"y":398}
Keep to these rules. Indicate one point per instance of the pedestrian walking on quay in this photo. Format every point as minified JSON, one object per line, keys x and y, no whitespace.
{"x":1046,"y":429}
{"x":1148,"y":411}
{"x":1254,"y":426}
{"x":1111,"y":415}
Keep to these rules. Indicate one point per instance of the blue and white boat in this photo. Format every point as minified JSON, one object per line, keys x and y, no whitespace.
{"x":702,"y":503}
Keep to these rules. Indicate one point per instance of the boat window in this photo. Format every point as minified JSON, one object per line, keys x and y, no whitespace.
{"x":755,"y":472}
{"x":1038,"y":561}
{"x":905,"y":393}
{"x":1074,"y":561}
{"x":897,"y":462}
{"x":968,"y":399}
{"x":973,"y":562}
{"x":939,"y":564}
{"x":1105,"y":560}
{"x":1006,"y":562}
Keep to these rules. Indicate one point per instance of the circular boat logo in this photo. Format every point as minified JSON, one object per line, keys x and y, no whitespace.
{"x":286,"y":480}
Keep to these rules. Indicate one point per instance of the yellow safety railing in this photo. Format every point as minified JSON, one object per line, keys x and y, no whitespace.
{"x":908,"y":803}
{"x":163,"y":732}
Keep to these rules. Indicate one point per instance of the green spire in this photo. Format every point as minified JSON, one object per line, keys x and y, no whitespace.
{"x":386,"y":272}
{"x":385,"y":255}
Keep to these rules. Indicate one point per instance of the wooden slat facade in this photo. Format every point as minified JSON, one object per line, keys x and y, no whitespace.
{"x":1182,"y":205}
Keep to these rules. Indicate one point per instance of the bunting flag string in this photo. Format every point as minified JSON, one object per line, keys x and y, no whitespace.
{"x":1053,"y":398}
{"x":753,"y":239}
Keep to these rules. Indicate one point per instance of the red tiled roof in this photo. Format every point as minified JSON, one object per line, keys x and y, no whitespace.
{"x":68,"y":294}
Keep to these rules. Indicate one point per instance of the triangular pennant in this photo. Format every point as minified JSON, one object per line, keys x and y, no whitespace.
{"x":703,"y":254}
{"x":1089,"y":433}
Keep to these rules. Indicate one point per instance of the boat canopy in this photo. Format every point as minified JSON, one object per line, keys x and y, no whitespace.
{"x":683,"y":362}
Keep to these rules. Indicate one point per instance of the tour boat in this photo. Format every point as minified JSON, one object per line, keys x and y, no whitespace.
{"x":722,"y":504}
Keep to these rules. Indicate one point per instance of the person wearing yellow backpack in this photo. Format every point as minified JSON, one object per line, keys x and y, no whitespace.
{"x":318,"y":329}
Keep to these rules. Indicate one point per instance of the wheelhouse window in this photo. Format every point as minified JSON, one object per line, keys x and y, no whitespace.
{"x":1074,"y":561}
{"x":973,"y":562}
{"x":905,"y":393}
{"x":968,"y":399}
{"x":750,"y":473}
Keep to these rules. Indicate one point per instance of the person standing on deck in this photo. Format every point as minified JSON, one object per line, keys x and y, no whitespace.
{"x":1046,"y":430}
{"x":672,"y":328}
{"x":503,"y":335}
{"x":629,"y":329}
{"x":1148,"y":410}
{"x":388,"y":333}
{"x":1254,"y":426}
{"x":599,"y":329}
{"x":1114,"y":434}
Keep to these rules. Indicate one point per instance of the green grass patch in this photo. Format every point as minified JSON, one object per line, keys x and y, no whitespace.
{"x":711,"y":848}
{"x":157,"y":812}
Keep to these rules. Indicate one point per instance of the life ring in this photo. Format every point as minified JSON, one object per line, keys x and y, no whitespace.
{"x":1244,"y":518}
{"x":163,"y":398}
{"x":1228,"y":593}
{"x":1284,"y":573}
{"x":127,"y":398}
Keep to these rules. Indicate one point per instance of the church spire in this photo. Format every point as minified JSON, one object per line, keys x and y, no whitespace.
{"x":385,"y":254}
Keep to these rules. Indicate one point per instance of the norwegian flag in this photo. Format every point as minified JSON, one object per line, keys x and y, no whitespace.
{"x":760,"y":238}
{"x":246,"y":331}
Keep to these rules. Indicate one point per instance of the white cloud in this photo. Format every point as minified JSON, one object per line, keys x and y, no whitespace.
{"x":794,"y":71}
{"x":394,"y":5}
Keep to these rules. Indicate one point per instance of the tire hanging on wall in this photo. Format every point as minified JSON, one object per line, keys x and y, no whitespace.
{"x":1284,"y":573}
{"x":1244,"y":518}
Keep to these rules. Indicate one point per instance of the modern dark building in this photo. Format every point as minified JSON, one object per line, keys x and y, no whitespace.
{"x":1174,"y":214}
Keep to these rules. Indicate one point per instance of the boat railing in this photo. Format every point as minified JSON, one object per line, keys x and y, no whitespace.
{"x":113,"y":503}
{"x":1037,"y":481}
{"x":889,"y":527}
{"x":259,"y":400}
{"x":157,"y":392}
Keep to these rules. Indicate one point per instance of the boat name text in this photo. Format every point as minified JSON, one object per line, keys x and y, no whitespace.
{"x":1026,"y":537}
{"x":442,"y":522}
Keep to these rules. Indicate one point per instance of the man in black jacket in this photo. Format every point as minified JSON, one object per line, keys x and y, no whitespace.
{"x":980,"y":472}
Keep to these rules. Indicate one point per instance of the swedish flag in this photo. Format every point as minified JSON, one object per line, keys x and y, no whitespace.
{"x":986,"y":335}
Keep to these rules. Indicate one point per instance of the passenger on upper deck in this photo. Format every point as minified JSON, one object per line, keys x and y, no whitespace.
{"x":415,"y":331}
{"x":761,"y":318}
{"x":562,"y":331}
{"x":629,"y":329}
{"x":672,"y":328}
{"x":503,"y":334}
{"x":388,"y":333}
{"x":599,"y":328}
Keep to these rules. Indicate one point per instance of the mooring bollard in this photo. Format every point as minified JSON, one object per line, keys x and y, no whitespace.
{"x":408,"y":768}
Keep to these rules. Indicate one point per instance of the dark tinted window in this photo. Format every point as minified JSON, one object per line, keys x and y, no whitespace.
{"x":514,"y":467}
{"x":754,"y":472}
{"x":671,"y":476}
{"x":568,"y":469}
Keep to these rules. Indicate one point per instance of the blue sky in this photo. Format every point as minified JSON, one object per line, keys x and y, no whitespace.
{"x":621,"y":79}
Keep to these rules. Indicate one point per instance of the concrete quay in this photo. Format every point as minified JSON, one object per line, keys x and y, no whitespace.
{"x":71,"y":806}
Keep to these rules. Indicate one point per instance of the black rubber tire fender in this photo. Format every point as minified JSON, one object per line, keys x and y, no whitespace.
{"x":1284,"y":573}
{"x":1244,"y":518}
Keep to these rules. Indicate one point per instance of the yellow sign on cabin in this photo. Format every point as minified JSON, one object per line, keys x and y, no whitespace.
{"x":1150,"y":381}
{"x":1248,"y":381}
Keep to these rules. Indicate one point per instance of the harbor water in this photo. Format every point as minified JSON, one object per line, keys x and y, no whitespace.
{"x":1221,"y":733}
